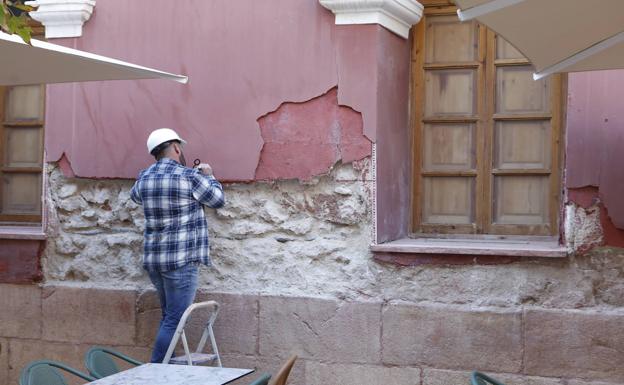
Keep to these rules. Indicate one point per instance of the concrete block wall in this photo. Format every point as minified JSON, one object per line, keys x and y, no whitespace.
{"x":338,"y":342}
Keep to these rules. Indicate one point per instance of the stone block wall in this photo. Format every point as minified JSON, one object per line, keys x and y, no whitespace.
{"x":338,"y":342}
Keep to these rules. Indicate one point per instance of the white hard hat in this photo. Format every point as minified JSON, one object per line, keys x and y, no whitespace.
{"x":161,"y":136}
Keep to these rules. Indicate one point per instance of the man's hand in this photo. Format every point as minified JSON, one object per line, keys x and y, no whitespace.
{"x":205,"y":169}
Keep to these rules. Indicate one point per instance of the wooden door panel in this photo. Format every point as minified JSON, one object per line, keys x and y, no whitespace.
{"x":449,"y":147}
{"x":449,"y":41}
{"x":21,"y":194}
{"x":504,"y":50}
{"x":448,"y":200}
{"x":522,"y":145}
{"x":450,"y":92}
{"x":518,"y":93}
{"x":521,"y":200}
{"x":486,"y":135}
{"x":23,"y":103}
{"x":23,"y":147}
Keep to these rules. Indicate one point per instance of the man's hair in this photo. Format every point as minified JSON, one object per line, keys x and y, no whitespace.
{"x":160,"y":151}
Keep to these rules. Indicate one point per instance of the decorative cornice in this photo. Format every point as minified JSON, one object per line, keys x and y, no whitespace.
{"x":62,"y":18}
{"x":396,"y":15}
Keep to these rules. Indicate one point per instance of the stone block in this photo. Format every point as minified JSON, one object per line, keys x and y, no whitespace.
{"x":451,"y":338}
{"x":95,"y":316}
{"x":23,"y":352}
{"x":242,"y":361}
{"x":321,"y":373}
{"x":342,"y":332}
{"x":451,"y":377}
{"x":576,"y":344}
{"x":147,"y":318}
{"x":236,"y":327}
{"x":273,"y":364}
{"x":21,"y":311}
{"x":4,"y":361}
{"x":584,"y":382}
{"x":137,"y":352}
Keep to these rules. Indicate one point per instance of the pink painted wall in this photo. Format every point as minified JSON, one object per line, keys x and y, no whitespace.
{"x":393,"y":146}
{"x":595,"y":137}
{"x":245,"y":58}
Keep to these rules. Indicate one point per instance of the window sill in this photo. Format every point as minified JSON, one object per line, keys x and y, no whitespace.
{"x":510,"y":247}
{"x":22,"y":232}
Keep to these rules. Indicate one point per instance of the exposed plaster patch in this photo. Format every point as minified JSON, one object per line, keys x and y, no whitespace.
{"x":303,"y":140}
{"x":582,"y":228}
{"x":590,"y":196}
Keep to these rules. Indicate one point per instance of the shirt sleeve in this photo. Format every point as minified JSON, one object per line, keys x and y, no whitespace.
{"x":134,"y":193}
{"x":208,"y":191}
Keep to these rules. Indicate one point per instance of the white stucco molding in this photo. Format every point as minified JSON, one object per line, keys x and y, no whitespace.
{"x":62,"y":18}
{"x":396,"y":15}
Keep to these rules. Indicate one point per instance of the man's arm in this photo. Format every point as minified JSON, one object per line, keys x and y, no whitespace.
{"x":208,"y":191}
{"x":134,"y":194}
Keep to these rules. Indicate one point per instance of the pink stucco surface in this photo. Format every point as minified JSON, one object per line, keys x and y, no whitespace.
{"x":595,"y":137}
{"x":244,"y":59}
{"x":306,"y":139}
{"x":394,"y":156}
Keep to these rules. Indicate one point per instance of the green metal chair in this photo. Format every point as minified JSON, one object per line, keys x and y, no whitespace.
{"x":99,"y":361}
{"x":262,"y":380}
{"x":47,"y":373}
{"x":478,"y":378}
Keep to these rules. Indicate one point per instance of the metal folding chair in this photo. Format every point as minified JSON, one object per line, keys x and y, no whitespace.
{"x":197,"y":357}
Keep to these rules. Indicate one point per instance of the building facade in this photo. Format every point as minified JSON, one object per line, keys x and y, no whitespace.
{"x":401,"y":209}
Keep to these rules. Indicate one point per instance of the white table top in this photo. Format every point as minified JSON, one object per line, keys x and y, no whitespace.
{"x":163,"y":374}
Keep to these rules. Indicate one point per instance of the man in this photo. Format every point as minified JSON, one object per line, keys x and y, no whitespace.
{"x":176,"y":234}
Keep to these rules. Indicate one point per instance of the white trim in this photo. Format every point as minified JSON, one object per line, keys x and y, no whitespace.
{"x":396,"y":15}
{"x":480,"y":10}
{"x":62,"y":18}
{"x":580,"y":56}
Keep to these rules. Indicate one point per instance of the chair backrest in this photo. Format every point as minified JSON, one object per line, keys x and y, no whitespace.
{"x":262,"y":380}
{"x":282,"y":375}
{"x":47,"y":373}
{"x":213,"y":307}
{"x":478,"y":378}
{"x":99,"y":361}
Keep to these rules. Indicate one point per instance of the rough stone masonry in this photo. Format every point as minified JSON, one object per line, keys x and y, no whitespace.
{"x":304,"y":239}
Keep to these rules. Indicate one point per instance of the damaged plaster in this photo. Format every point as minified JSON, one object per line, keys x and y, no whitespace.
{"x":595,"y":137}
{"x":311,"y":239}
{"x":237,"y":73}
{"x":582,"y":228}
{"x":302,"y":140}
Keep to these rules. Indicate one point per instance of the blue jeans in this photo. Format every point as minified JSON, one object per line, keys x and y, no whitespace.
{"x":176,"y":291}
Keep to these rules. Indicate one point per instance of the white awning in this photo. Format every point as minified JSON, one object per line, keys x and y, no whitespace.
{"x":556,"y":35}
{"x":50,"y":63}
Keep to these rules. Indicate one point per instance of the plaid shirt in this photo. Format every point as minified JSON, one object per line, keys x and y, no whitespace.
{"x":176,"y":232}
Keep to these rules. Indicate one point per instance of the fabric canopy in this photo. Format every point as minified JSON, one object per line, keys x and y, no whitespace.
{"x":556,"y":35}
{"x":50,"y":63}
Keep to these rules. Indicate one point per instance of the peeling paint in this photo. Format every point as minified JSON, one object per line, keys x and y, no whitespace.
{"x":289,"y":51}
{"x":302,"y":140}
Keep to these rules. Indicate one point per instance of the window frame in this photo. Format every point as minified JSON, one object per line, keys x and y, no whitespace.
{"x":485,"y":64}
{"x":22,"y":219}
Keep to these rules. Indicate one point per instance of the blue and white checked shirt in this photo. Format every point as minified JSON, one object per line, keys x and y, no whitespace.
{"x":176,"y":231}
